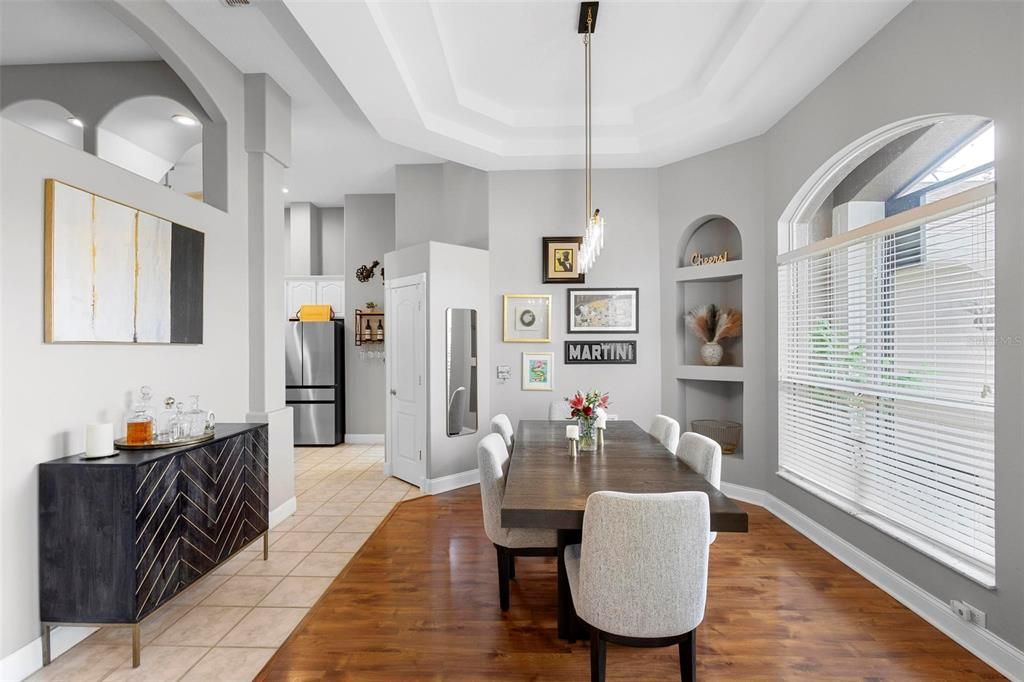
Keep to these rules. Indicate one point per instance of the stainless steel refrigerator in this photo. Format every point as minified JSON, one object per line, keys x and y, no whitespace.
{"x":315,"y":381}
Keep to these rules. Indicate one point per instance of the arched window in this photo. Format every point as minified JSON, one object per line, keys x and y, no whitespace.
{"x":886,"y":337}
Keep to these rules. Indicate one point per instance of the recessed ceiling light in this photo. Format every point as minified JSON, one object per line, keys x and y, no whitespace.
{"x":184,"y":119}
{"x":284,"y":190}
{"x":77,"y":122}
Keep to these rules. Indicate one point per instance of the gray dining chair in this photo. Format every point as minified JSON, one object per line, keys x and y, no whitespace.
{"x":508,"y":542}
{"x":704,"y":456}
{"x":502,"y":425}
{"x":640,"y":576}
{"x":558,"y":410}
{"x":666,"y":430}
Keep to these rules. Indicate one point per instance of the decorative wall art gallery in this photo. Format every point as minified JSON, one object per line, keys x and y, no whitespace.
{"x":116,"y":274}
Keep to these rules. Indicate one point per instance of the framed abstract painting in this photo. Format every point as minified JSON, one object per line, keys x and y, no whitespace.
{"x":604,"y":311}
{"x":526,"y":318}
{"x":538,"y":369}
{"x":116,"y":274}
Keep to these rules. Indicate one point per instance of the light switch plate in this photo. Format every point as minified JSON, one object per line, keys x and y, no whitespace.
{"x":504,"y":373}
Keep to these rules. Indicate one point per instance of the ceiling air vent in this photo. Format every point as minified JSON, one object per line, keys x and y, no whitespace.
{"x":235,"y":3}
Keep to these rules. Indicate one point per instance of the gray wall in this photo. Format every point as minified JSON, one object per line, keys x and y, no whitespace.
{"x":369,"y":234}
{"x":977,"y":71}
{"x":332,"y":223}
{"x":528,"y":205}
{"x":442,"y":202}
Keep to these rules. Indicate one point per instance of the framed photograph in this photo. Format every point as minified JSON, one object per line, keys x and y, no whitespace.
{"x":538,"y":371}
{"x":604,"y":311}
{"x":561,"y":260}
{"x":526,"y":318}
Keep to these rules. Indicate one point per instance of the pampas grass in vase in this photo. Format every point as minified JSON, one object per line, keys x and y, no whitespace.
{"x":711,"y":325}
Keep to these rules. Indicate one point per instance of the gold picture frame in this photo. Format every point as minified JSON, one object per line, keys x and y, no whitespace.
{"x":526,"y":318}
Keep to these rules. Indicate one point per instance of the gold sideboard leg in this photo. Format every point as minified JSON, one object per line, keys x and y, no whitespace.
{"x":136,"y":645}
{"x":46,"y":644}
{"x":266,"y":545}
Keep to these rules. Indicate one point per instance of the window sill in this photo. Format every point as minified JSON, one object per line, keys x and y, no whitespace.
{"x":982,"y":575}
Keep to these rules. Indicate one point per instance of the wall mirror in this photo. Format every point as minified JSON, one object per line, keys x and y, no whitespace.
{"x":461,"y":371}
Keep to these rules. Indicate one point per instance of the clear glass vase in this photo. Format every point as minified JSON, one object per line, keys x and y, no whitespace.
{"x":588,"y":434}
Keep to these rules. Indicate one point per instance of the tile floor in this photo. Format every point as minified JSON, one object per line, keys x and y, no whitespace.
{"x":228,"y":624}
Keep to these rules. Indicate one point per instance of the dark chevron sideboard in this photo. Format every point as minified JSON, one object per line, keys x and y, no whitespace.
{"x":118,"y":537}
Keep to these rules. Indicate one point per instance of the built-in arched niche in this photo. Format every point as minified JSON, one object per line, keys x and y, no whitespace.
{"x":710,"y":239}
{"x":157,"y":138}
{"x":48,"y":118}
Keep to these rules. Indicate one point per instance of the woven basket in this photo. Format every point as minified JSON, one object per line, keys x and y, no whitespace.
{"x":725,"y":433}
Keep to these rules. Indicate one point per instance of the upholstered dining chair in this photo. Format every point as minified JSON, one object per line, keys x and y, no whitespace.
{"x":704,"y":456}
{"x":558,"y":410}
{"x":502,"y":426}
{"x":508,"y":542}
{"x":666,"y":430}
{"x":640,"y":576}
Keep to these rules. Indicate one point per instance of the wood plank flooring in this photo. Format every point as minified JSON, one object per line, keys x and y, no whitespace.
{"x":420,"y":602}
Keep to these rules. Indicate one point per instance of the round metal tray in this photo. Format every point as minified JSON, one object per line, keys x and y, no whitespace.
{"x":157,"y":445}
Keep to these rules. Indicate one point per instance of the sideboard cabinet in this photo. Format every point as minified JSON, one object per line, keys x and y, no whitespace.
{"x":118,"y":537}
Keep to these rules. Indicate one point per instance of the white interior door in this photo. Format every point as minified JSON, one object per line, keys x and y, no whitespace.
{"x":407,"y":393}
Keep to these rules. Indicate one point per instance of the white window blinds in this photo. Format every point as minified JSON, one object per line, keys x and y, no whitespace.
{"x":886,"y":354}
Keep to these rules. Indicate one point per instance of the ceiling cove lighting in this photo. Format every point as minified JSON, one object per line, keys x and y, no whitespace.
{"x":75,"y":121}
{"x":593,"y":231}
{"x":184,"y":120}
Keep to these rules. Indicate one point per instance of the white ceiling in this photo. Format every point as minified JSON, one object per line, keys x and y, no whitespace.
{"x":335,"y":150}
{"x":60,"y":31}
{"x":499,"y":85}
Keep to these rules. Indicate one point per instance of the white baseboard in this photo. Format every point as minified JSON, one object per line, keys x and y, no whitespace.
{"x":364,"y":438}
{"x":991,"y":648}
{"x":282,"y":512}
{"x":29,"y":658}
{"x":433,"y":486}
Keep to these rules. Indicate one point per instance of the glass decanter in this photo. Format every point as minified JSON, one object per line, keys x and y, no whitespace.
{"x":163,"y":420}
{"x":139,"y":426}
{"x":178,"y":428}
{"x":195,"y":417}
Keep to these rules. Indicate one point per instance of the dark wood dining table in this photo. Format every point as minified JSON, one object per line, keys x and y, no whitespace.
{"x":547,"y":488}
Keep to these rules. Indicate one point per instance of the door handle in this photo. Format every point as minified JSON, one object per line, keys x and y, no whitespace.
{"x":394,"y":392}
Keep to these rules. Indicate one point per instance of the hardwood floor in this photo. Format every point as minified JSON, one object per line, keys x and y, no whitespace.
{"x":420,"y":602}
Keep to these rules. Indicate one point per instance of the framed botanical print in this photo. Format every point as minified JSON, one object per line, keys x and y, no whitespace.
{"x":526,"y":318}
{"x":604,"y":311}
{"x":538,"y":371}
{"x":561,"y":260}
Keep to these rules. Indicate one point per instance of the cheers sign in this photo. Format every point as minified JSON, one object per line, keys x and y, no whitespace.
{"x":698,"y":259}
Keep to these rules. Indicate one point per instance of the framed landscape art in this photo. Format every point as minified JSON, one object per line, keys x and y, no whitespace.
{"x":561,"y":260}
{"x":537,"y":371}
{"x":604,"y":311}
{"x":116,"y":274}
{"x":526,"y":318}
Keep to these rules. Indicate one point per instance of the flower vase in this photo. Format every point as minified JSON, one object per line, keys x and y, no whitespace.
{"x":711,"y":353}
{"x":588,"y":434}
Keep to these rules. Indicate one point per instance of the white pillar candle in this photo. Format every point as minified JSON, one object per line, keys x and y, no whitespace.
{"x":99,"y":440}
{"x":572,"y":432}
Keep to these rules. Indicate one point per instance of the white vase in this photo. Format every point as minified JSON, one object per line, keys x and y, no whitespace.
{"x":711,"y":353}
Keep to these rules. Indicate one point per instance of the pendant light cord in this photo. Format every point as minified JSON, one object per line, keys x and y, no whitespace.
{"x":587,"y":125}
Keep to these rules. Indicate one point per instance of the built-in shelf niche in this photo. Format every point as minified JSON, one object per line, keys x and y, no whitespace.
{"x":710,"y":236}
{"x":711,"y":399}
{"x":725,"y":293}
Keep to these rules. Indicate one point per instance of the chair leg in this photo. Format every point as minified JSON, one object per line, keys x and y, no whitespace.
{"x":511,"y":566}
{"x":688,"y":657}
{"x":503,"y":567}
{"x":598,"y":651}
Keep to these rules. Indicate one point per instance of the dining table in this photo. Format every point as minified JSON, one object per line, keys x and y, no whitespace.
{"x":547,"y":487}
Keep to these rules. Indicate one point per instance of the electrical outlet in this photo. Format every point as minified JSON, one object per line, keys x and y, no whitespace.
{"x":968,"y":613}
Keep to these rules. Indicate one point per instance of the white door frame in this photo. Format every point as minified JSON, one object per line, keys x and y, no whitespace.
{"x":421,"y":360}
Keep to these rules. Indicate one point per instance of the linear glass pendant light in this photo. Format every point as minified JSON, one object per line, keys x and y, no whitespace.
{"x":593,"y":231}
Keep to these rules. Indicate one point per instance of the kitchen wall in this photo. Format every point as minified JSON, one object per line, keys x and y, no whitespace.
{"x":528,"y":205}
{"x":332,"y":223}
{"x":442,"y":202}
{"x":369,"y":234}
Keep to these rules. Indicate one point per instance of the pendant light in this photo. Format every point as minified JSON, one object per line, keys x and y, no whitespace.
{"x":593,"y":231}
